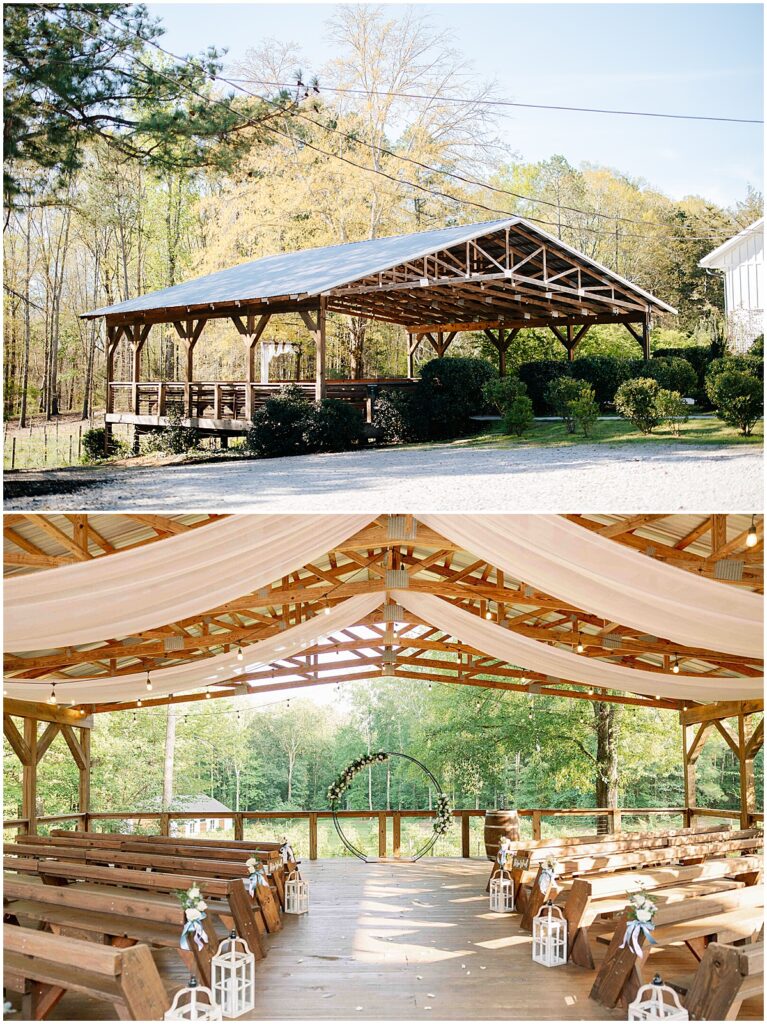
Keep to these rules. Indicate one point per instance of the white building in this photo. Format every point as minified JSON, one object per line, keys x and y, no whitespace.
{"x":742,"y":260}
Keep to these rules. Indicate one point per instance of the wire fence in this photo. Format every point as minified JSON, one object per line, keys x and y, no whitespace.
{"x":47,"y":445}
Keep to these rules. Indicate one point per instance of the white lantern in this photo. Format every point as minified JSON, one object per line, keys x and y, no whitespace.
{"x":234,"y":977}
{"x":296,"y":894}
{"x":193,"y":1003}
{"x":502,"y":893}
{"x":549,"y":937}
{"x":657,"y":1001}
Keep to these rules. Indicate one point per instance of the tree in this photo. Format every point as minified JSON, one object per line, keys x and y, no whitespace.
{"x":81,"y":71}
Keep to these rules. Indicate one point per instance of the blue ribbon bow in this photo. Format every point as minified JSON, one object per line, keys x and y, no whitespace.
{"x":254,"y":879}
{"x":546,"y":880}
{"x":197,"y":931}
{"x":634,"y":930}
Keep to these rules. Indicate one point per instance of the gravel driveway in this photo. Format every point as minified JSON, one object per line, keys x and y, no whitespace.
{"x":621,"y":478}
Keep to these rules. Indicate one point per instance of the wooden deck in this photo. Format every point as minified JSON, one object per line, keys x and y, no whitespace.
{"x":409,"y":942}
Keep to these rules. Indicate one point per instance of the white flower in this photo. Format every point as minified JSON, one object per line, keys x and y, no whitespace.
{"x":192,"y":914}
{"x":202,"y":905}
{"x":193,"y":893}
{"x":250,"y":863}
{"x":643,"y":915}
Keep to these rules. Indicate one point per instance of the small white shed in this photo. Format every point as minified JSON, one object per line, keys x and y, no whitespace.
{"x":742,"y":260}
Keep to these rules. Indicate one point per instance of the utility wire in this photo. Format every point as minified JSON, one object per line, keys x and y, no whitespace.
{"x":510,"y":103}
{"x":398,"y":181}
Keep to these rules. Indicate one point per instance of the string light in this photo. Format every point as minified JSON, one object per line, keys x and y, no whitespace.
{"x":207,"y":693}
{"x":751,"y":537}
{"x":579,"y":646}
{"x":52,"y":698}
{"x":675,"y":666}
{"x":488,"y":614}
{"x":240,"y":655}
{"x":138,"y":703}
{"x":148,"y":682}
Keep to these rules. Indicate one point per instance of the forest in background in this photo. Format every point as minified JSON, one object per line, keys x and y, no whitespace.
{"x":487,"y":748}
{"x":208,"y":176}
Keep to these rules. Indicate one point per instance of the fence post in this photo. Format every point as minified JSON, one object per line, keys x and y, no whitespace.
{"x":396,"y":833}
{"x":465,"y":835}
{"x":164,"y":824}
{"x":313,"y":836}
{"x":238,"y":826}
{"x":536,"y":824}
{"x":382,"y":833}
{"x":614,"y":820}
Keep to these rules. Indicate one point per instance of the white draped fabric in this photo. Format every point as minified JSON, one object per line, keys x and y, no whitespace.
{"x":207,"y":672}
{"x":167,"y":581}
{"x":499,"y":642}
{"x":612,"y":581}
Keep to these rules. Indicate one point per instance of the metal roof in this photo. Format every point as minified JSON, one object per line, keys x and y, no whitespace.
{"x":712,"y":258}
{"x":310,"y":272}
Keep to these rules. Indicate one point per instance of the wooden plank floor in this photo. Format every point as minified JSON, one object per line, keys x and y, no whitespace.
{"x":408,"y":942}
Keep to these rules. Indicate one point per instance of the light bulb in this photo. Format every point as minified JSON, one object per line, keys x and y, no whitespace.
{"x":488,"y":615}
{"x":327,"y":610}
{"x":579,"y":646}
{"x":675,"y":666}
{"x":240,"y":655}
{"x":52,"y":698}
{"x":207,"y":693}
{"x":751,"y":537}
{"x":148,"y":683}
{"x":138,"y":703}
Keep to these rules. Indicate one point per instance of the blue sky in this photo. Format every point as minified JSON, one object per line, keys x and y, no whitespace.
{"x":679,"y":58}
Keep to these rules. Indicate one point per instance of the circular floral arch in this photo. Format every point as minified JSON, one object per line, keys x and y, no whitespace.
{"x":442,"y":817}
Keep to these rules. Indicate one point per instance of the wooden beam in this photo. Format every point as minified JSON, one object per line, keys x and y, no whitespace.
{"x":40,"y":712}
{"x":16,"y":740}
{"x":77,"y":752}
{"x":49,"y":735}
{"x":720,"y":710}
{"x":29,"y":776}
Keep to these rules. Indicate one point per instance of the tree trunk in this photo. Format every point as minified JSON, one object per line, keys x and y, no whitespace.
{"x":357,"y":332}
{"x":27,"y":323}
{"x":170,"y":752}
{"x":606,"y":722}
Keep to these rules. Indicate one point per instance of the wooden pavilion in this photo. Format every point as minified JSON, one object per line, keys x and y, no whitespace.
{"x":496,"y":277}
{"x":386,"y":596}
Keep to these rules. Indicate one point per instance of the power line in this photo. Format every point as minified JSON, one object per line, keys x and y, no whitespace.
{"x":510,"y":103}
{"x":398,"y":181}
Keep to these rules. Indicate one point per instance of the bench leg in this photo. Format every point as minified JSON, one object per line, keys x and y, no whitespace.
{"x":614,"y":978}
{"x":143,"y":991}
{"x":580,"y":951}
{"x":39,"y":999}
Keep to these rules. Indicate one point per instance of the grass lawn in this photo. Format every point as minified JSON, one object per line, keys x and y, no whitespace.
{"x":546,"y":433}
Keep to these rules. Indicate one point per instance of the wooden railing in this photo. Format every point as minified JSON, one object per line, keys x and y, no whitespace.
{"x":612,"y":817}
{"x":233,"y":400}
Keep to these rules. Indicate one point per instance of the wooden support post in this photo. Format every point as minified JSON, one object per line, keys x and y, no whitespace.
{"x":747,"y":750}
{"x":465,"y":835}
{"x":84,"y":788}
{"x":165,"y":824}
{"x":320,"y":386}
{"x":646,"y":337}
{"x":692,"y":745}
{"x":238,"y":826}
{"x":413,"y":341}
{"x":396,"y":834}
{"x":29,"y":777}
{"x":312,"y":836}
{"x":382,"y":833}
{"x":250,"y":330}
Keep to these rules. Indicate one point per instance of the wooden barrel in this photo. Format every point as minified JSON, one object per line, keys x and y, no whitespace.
{"x":497,"y":825}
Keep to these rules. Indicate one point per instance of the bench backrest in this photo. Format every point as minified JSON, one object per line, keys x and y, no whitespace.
{"x":553,"y":845}
{"x":657,"y":855}
{"x":230,"y":844}
{"x":618,"y":882}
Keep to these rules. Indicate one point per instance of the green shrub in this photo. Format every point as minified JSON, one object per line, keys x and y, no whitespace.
{"x":605,"y":374}
{"x":280,"y":425}
{"x":333,"y":426}
{"x":501,"y":392}
{"x":537,"y":375}
{"x":749,"y":363}
{"x":393,"y":417}
{"x":671,"y":373}
{"x":93,"y":445}
{"x":560,"y":396}
{"x":738,"y":398}
{"x":585,"y":410}
{"x":672,"y":409}
{"x":757,"y":347}
{"x":518,"y":416}
{"x":175,"y":439}
{"x":448,"y":394}
{"x":636,"y":401}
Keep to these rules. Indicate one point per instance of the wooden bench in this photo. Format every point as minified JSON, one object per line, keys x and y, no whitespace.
{"x":42,"y":968}
{"x":530,"y":853}
{"x":228,"y":900}
{"x":594,"y":896}
{"x":115,"y":916}
{"x":725,"y":977}
{"x":168,"y":846}
{"x":723,"y":917}
{"x":740,"y":842}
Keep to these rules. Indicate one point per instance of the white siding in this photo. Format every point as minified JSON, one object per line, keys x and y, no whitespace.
{"x":743,"y":268}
